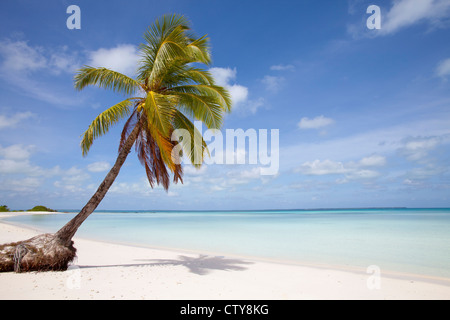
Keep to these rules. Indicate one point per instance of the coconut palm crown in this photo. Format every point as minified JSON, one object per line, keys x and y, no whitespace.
{"x":170,"y":88}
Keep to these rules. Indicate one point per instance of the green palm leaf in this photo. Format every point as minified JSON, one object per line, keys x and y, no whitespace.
{"x":217,"y":93}
{"x":206,"y":108}
{"x":103,"y":122}
{"x":106,"y":79}
{"x":160,"y":109}
{"x":195,"y":147}
{"x":165,"y":42}
{"x":199,"y":50}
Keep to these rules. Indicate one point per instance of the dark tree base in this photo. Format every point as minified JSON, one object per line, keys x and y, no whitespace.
{"x":41,"y":253}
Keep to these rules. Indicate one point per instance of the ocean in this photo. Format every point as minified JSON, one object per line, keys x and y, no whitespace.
{"x":415,"y":241}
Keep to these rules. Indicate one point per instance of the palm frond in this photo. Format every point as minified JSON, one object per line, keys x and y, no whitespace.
{"x":103,"y":122}
{"x":165,"y":42}
{"x":216,"y":93}
{"x":184,"y":74}
{"x":107,"y":79}
{"x":204,"y":108}
{"x":195,"y":147}
{"x":176,"y":91}
{"x":159,"y":110}
{"x":131,"y":123}
{"x":157,"y":154}
{"x":197,"y":75}
{"x":199,"y":50}
{"x":149,"y":155}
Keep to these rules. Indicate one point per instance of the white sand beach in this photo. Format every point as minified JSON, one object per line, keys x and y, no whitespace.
{"x":112,"y":271}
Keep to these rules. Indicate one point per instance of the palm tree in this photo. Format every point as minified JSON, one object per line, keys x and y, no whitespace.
{"x":169,"y":90}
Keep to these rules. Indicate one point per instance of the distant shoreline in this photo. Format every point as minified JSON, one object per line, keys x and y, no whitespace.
{"x":256,"y":210}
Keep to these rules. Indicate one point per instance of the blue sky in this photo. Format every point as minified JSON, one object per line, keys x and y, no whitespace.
{"x":363,"y":115}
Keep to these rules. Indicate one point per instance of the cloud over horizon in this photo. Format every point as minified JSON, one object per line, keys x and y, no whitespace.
{"x":443,"y":68}
{"x":315,"y":123}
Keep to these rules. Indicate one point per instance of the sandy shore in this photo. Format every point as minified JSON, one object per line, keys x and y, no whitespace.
{"x":111,"y":271}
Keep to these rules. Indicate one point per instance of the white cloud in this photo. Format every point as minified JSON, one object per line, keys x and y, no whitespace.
{"x":319,"y":168}
{"x":245,"y":176}
{"x":414,"y":183}
{"x":421,"y":144}
{"x":384,"y":140}
{"x":100,"y":166}
{"x":315,"y":123}
{"x":253,"y":173}
{"x":282,"y":67}
{"x":350,"y":170}
{"x":432,"y":14}
{"x":123,"y":58}
{"x":8,"y":166}
{"x":416,"y":149}
{"x":425,"y":172}
{"x":228,"y":179}
{"x":63,"y":61}
{"x":141,"y":187}
{"x":361,"y":174}
{"x":443,"y":68}
{"x":190,"y":170}
{"x":15,"y":160}
{"x":72,"y":180}
{"x":224,"y":77}
{"x":405,"y":13}
{"x":273,"y":83}
{"x":29,"y":184}
{"x":238,"y":93}
{"x":254,"y":105}
{"x":395,"y":141}
{"x":18,"y":173}
{"x":217,"y":188}
{"x":18,"y":56}
{"x":373,"y":161}
{"x":21,"y":63}
{"x":13,"y":120}
{"x":16,"y":152}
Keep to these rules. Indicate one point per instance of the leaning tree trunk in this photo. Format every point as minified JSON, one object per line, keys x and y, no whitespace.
{"x":55,"y":251}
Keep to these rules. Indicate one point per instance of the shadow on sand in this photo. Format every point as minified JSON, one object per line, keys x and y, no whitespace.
{"x":201,"y":265}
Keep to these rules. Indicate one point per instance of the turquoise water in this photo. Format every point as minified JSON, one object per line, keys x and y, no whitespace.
{"x":402,"y":240}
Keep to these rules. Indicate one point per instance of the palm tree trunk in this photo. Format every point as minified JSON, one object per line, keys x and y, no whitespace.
{"x":66,"y":233}
{"x":55,"y":251}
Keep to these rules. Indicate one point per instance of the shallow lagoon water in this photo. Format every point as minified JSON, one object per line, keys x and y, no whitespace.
{"x":400,"y":240}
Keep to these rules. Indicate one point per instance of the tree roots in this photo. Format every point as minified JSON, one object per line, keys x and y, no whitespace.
{"x":41,"y":253}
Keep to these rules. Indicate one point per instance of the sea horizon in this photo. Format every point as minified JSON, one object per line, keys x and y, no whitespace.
{"x":252,"y":210}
